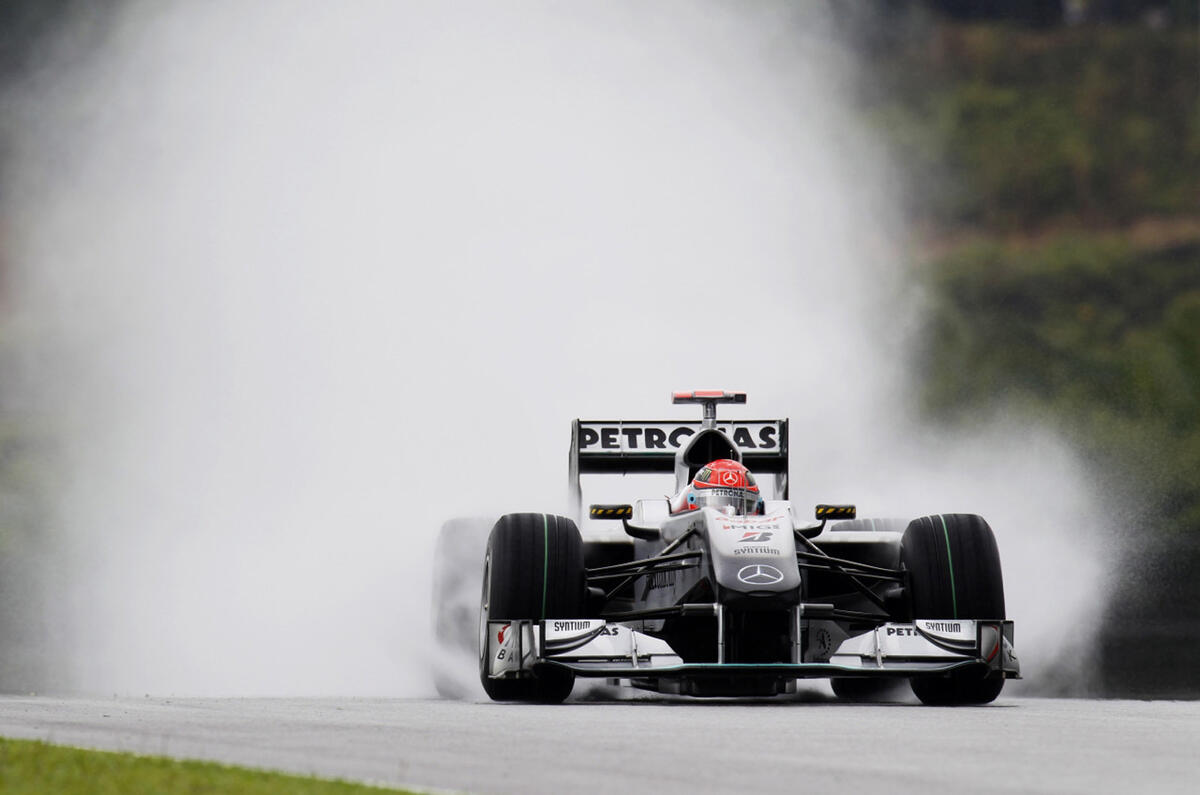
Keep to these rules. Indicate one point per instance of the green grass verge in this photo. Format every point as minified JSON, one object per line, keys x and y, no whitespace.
{"x":34,"y":767}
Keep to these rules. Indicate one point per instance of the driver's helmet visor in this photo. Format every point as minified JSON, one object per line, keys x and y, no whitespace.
{"x":737,"y":501}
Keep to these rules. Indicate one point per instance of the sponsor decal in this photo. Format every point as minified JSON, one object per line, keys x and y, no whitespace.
{"x":754,"y":537}
{"x":579,"y":626}
{"x":760,"y":574}
{"x":756,"y":550}
{"x":731,"y":478}
{"x":751,"y":522}
{"x":903,"y":631}
{"x":938,"y":626}
{"x":822,"y":643}
{"x":600,"y":437}
{"x":662,"y":579}
{"x":720,"y":491}
{"x":503,"y":652}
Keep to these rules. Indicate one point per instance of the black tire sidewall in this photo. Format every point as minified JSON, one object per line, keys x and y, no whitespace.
{"x":953,"y":571}
{"x":536,"y":571}
{"x":537,"y":568}
{"x":953,"y":567}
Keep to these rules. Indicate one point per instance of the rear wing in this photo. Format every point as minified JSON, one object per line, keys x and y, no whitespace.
{"x":626,"y":447}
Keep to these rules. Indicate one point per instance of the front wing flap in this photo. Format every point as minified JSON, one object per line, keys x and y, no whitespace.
{"x":594,"y":647}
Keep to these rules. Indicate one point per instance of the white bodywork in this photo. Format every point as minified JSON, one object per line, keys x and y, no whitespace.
{"x":594,"y":647}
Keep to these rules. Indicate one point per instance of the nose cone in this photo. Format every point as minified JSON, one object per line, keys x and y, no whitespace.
{"x":760,"y":575}
{"x":753,"y":556}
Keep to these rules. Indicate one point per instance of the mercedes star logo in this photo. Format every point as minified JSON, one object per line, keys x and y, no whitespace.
{"x":760,"y":575}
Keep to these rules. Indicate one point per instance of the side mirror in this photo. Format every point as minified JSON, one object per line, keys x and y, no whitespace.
{"x":624,"y":513}
{"x":610,"y":511}
{"x":826,"y":512}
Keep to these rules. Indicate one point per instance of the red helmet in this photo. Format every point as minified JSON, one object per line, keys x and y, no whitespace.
{"x":722,"y":484}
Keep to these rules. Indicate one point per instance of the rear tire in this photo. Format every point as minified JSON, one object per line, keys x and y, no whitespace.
{"x":885,"y":525}
{"x":533,"y":571}
{"x":853,"y":688}
{"x":954,"y":572}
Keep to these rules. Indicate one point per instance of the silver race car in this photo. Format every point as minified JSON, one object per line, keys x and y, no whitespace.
{"x":721,"y":590}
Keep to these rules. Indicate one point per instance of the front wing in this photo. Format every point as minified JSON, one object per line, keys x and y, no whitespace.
{"x":594,"y":647}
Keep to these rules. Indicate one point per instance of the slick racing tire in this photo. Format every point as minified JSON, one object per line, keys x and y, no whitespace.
{"x":533,"y":570}
{"x":954,"y":572}
{"x":885,"y":525}
{"x":854,"y":688}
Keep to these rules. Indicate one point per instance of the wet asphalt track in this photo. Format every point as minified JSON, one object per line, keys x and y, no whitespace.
{"x":808,"y":744}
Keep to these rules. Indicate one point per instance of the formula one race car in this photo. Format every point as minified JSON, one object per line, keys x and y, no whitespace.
{"x":721,"y":591}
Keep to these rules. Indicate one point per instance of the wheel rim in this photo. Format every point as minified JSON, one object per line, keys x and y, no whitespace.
{"x":484,"y":612}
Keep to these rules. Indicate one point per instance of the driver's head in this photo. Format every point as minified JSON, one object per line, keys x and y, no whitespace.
{"x":723,"y":484}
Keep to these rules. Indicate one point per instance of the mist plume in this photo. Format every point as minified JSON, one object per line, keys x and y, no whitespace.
{"x":310,"y":278}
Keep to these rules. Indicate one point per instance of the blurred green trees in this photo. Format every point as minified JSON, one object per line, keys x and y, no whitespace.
{"x":1007,"y":129}
{"x":1093,"y":331}
{"x":1055,"y":184}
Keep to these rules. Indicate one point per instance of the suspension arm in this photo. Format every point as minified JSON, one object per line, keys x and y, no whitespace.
{"x":839,"y":566}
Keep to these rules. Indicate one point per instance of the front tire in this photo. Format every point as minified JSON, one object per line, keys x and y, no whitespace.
{"x":954,"y":571}
{"x":533,"y":570}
